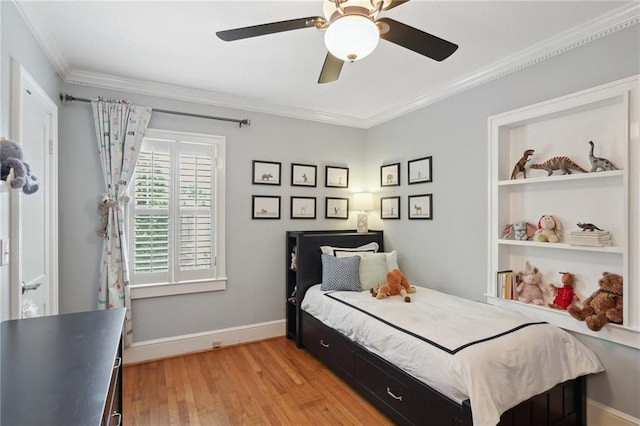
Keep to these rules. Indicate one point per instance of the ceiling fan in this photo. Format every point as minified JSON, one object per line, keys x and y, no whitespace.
{"x":352,"y":30}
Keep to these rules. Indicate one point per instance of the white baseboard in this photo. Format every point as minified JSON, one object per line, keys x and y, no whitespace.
{"x":601,"y":415}
{"x":184,"y":344}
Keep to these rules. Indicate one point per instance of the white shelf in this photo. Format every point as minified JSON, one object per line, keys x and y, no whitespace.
{"x":561,"y":246}
{"x":612,"y":332}
{"x":560,"y":178}
{"x":606,"y":115}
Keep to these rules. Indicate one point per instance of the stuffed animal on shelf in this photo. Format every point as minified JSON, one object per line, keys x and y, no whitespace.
{"x":563,"y":296}
{"x":519,"y":230}
{"x":530,"y":287}
{"x":396,"y":283}
{"x":548,"y":229}
{"x":603,"y":306}
{"x":14,"y":169}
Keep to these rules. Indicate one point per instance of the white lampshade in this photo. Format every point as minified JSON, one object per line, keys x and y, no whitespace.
{"x":363,"y":201}
{"x":351,"y":37}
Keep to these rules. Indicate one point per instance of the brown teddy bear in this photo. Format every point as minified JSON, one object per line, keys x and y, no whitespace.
{"x":603,"y":306}
{"x":396,"y":284}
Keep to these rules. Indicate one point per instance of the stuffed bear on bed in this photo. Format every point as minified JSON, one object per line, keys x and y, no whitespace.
{"x":396,"y":283}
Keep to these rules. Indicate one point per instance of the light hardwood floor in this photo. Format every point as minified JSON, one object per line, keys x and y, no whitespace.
{"x":270,"y":382}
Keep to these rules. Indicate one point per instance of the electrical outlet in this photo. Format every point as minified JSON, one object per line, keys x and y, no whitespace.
{"x":217,"y":344}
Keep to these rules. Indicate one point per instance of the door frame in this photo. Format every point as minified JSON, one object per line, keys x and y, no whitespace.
{"x":23,"y":83}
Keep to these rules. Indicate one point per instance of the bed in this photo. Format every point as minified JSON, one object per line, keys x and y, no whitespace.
{"x":432,"y":379}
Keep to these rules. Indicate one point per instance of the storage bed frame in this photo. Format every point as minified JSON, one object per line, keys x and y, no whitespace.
{"x":399,"y":395}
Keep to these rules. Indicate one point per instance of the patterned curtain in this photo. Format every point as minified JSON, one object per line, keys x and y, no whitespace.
{"x":120,"y":129}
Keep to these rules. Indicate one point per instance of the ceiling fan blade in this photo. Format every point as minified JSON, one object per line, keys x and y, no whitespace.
{"x":395,"y":3}
{"x":416,"y":40}
{"x":330,"y":69}
{"x":271,"y":28}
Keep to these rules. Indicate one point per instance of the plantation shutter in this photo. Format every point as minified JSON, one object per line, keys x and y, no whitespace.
{"x":152,"y":194}
{"x":197,"y":197}
{"x":174,"y":192}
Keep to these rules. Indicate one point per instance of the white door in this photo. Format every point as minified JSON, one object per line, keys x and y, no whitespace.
{"x":34,"y":284}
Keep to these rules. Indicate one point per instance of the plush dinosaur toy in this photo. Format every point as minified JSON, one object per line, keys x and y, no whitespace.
{"x":396,"y":284}
{"x":11,"y":159}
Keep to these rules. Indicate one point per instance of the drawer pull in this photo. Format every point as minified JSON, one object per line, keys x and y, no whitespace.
{"x":324,"y":345}
{"x":118,"y":363}
{"x":397,"y":398}
{"x":119,"y":416}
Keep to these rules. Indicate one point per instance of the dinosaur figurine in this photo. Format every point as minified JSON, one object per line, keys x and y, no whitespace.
{"x":599,"y":162}
{"x":588,"y":227}
{"x":558,"y":163}
{"x":520,"y":165}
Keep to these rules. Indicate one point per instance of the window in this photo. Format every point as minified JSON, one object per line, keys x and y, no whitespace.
{"x":176,"y":215}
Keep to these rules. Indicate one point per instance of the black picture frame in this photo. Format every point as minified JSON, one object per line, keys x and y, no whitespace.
{"x":303,"y":208}
{"x":336,"y":177}
{"x":390,"y":208}
{"x":420,"y":170}
{"x":265,"y":207}
{"x":266,"y":172}
{"x":336,"y":208}
{"x":420,"y":207}
{"x":390,"y":175}
{"x":304,"y":175}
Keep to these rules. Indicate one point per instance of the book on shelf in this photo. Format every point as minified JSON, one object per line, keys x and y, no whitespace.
{"x":506,"y":284}
{"x":590,"y":238}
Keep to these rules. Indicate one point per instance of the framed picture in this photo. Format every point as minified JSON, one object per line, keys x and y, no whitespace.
{"x":265,"y":207}
{"x":303,"y":207}
{"x":390,"y":175}
{"x":303,"y":175}
{"x":336,"y":177}
{"x":419,"y":170}
{"x":266,"y":173}
{"x":421,"y":206}
{"x":390,"y":208}
{"x":336,"y":208}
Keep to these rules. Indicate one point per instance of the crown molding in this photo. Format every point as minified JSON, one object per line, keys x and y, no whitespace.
{"x":187,"y":94}
{"x":616,"y":20}
{"x":43,"y":36}
{"x":602,"y":26}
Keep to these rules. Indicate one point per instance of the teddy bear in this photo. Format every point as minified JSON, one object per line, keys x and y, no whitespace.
{"x":529,"y":287}
{"x":11,"y":158}
{"x":548,"y":229}
{"x":563,"y":296}
{"x":603,"y":306}
{"x":105,"y":202}
{"x":396,"y":283}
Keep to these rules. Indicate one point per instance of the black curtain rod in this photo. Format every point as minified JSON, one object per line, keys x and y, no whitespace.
{"x":246,"y":121}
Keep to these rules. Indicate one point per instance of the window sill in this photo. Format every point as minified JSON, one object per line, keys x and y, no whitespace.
{"x":145,"y":291}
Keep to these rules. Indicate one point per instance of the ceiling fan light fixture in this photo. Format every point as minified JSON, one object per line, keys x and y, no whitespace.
{"x":351,"y":37}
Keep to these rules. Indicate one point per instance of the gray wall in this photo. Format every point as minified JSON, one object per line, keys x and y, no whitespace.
{"x":18,"y":43}
{"x":450,"y":252}
{"x":255,"y":248}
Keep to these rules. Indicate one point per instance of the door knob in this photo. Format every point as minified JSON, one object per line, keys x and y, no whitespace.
{"x":27,"y":287}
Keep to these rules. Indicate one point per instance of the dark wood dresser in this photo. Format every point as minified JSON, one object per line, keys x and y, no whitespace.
{"x":63,"y":369}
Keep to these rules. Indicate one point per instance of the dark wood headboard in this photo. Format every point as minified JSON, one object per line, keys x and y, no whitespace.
{"x":308,"y":251}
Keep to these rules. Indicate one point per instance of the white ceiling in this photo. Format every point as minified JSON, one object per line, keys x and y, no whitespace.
{"x":169,"y":48}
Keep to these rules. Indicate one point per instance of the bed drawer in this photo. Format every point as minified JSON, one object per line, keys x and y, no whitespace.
{"x":327,"y":345}
{"x":410,"y":406}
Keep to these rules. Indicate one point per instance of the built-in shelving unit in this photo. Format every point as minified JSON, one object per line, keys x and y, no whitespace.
{"x":608,"y":116}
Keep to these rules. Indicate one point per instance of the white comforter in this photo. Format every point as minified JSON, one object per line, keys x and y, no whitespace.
{"x":495,"y":374}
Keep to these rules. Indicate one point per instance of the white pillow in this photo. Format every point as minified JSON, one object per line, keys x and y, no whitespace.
{"x":392,"y":261}
{"x":349,"y":251}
